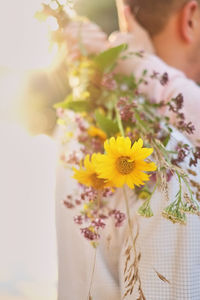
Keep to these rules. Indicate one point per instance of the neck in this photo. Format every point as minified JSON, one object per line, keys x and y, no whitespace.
{"x":169,"y":49}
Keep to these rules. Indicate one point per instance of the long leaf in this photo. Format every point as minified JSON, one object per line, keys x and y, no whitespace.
{"x":109,"y":126}
{"x":107,"y":59}
{"x":75,"y":105}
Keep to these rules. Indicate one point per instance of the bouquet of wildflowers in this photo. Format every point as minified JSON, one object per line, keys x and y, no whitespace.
{"x":123,"y":141}
{"x":123,"y":145}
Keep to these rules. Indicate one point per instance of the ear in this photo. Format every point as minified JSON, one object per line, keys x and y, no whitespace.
{"x":188,"y":21}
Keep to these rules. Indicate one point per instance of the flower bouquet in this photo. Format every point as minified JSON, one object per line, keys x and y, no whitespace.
{"x":124,"y":142}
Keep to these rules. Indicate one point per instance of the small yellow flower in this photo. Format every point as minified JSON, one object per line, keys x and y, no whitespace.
{"x":128,"y":130}
{"x":61,"y":122}
{"x":86,"y":207}
{"x":124,"y":163}
{"x":85,"y":95}
{"x":97,"y":132}
{"x":87,"y":175}
{"x":144,"y":195}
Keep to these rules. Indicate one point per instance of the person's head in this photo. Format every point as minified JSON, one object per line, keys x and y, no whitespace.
{"x":174,"y":26}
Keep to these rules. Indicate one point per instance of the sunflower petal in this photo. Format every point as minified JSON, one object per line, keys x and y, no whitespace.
{"x":87,"y":163}
{"x":110,"y":146}
{"x":123,"y":146}
{"x":145,"y":166}
{"x":143,"y":153}
{"x":119,"y":181}
{"x":107,"y":165}
{"x":130,"y":182}
{"x":137,"y":145}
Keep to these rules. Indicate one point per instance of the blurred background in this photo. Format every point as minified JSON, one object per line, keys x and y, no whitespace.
{"x":32,"y":78}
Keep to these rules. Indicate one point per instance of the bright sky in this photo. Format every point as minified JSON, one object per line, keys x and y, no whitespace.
{"x":23,"y":40}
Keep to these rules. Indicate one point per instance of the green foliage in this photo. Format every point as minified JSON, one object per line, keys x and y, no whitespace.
{"x":129,"y":81}
{"x":175,"y":214}
{"x":166,"y":140}
{"x":109,"y":126}
{"x":145,"y":210}
{"x":106,"y":60}
{"x":76,"y":106}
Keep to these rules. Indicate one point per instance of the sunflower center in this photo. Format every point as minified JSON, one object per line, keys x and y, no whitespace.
{"x":124,"y":165}
{"x":97,"y":183}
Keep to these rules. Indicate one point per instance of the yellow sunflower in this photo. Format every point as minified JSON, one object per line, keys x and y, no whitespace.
{"x":87,"y":175}
{"x":123,"y":163}
{"x":97,"y":132}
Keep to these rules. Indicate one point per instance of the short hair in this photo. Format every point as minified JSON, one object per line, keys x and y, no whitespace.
{"x":154,"y":14}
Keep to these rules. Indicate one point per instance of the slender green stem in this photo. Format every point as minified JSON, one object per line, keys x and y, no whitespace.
{"x":194,"y":202}
{"x":141,"y":123}
{"x":188,"y":186}
{"x":119,"y":122}
{"x":154,"y":189}
{"x":99,"y":194}
{"x":92,"y":275}
{"x":151,"y":195}
{"x":59,"y":5}
{"x":180,"y":189}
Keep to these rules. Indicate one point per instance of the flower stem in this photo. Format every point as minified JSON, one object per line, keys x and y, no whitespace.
{"x":180,"y":190}
{"x":119,"y":122}
{"x":59,"y":5}
{"x":128,"y":214}
{"x":95,"y":253}
{"x":92,"y":275}
{"x":99,"y":193}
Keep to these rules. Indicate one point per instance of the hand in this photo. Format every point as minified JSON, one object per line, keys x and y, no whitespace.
{"x":87,"y":35}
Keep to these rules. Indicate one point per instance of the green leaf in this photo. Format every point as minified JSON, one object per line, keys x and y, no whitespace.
{"x":75,"y":105}
{"x":78,"y":106}
{"x":109,"y":126}
{"x":166,"y":140}
{"x":107,"y":59}
{"x":128,"y":80}
{"x":144,"y":73}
